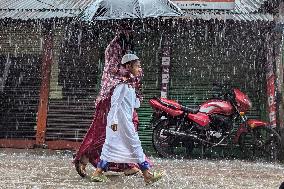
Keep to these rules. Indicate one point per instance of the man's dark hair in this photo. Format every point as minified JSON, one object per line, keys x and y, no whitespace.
{"x":129,"y":63}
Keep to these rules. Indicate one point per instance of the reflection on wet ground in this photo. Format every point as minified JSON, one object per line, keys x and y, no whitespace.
{"x":54,"y":169}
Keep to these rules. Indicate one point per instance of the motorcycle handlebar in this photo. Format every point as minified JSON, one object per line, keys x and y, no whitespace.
{"x":224,"y":85}
{"x":223,"y":90}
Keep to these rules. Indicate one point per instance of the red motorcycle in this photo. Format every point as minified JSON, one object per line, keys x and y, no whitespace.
{"x":177,"y":129}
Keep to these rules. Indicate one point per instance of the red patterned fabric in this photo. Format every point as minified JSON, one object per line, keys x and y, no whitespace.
{"x":110,"y":77}
{"x":95,"y":137}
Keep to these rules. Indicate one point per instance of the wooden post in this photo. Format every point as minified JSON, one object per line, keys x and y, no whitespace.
{"x":44,"y":89}
{"x":280,"y":97}
{"x":166,"y":59}
{"x":279,"y":81}
{"x":271,"y":81}
{"x":166,"y":62}
{"x":279,"y":77}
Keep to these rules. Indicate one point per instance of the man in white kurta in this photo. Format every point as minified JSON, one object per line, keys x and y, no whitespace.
{"x":122,"y":145}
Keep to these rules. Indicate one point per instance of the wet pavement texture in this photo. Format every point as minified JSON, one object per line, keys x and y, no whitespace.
{"x":38,"y":168}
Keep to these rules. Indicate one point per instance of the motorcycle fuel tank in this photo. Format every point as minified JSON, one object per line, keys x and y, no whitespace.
{"x":217,"y":107}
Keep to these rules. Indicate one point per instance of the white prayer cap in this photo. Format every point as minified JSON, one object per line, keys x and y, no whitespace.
{"x":128,"y":57}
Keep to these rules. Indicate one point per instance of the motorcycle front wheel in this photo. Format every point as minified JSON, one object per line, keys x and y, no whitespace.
{"x":168,"y":145}
{"x":261,"y":143}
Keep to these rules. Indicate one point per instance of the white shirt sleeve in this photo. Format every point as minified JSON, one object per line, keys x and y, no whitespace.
{"x":116,"y":99}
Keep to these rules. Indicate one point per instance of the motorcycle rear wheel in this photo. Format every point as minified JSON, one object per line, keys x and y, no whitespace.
{"x":168,"y":145}
{"x":262,"y":143}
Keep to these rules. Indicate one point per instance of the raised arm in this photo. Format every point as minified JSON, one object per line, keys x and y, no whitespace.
{"x":113,"y":54}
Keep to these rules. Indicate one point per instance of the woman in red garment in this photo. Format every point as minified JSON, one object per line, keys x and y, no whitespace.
{"x":93,"y":141}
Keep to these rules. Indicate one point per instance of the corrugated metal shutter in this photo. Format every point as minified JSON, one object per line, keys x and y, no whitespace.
{"x":217,"y":52}
{"x":71,"y":100}
{"x":19,"y":99}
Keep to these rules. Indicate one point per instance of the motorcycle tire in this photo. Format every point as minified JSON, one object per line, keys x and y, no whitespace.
{"x":261,"y":143}
{"x":168,"y":145}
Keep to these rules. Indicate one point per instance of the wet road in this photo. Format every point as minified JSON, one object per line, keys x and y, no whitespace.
{"x":36,"y":169}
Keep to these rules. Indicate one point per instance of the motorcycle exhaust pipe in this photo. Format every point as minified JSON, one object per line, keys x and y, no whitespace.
{"x":195,"y":137}
{"x":184,"y":135}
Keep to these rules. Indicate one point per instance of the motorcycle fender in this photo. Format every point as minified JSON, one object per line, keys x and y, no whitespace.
{"x":252,"y":123}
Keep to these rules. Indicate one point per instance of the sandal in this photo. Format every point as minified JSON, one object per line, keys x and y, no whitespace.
{"x":81,"y":168}
{"x":99,"y":178}
{"x":154,"y":178}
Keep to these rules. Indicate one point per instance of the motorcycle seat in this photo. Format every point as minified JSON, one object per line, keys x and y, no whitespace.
{"x":194,"y":110}
{"x":190,"y":110}
{"x":173,"y":106}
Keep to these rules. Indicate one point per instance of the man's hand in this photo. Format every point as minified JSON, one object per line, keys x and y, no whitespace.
{"x":114,"y":127}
